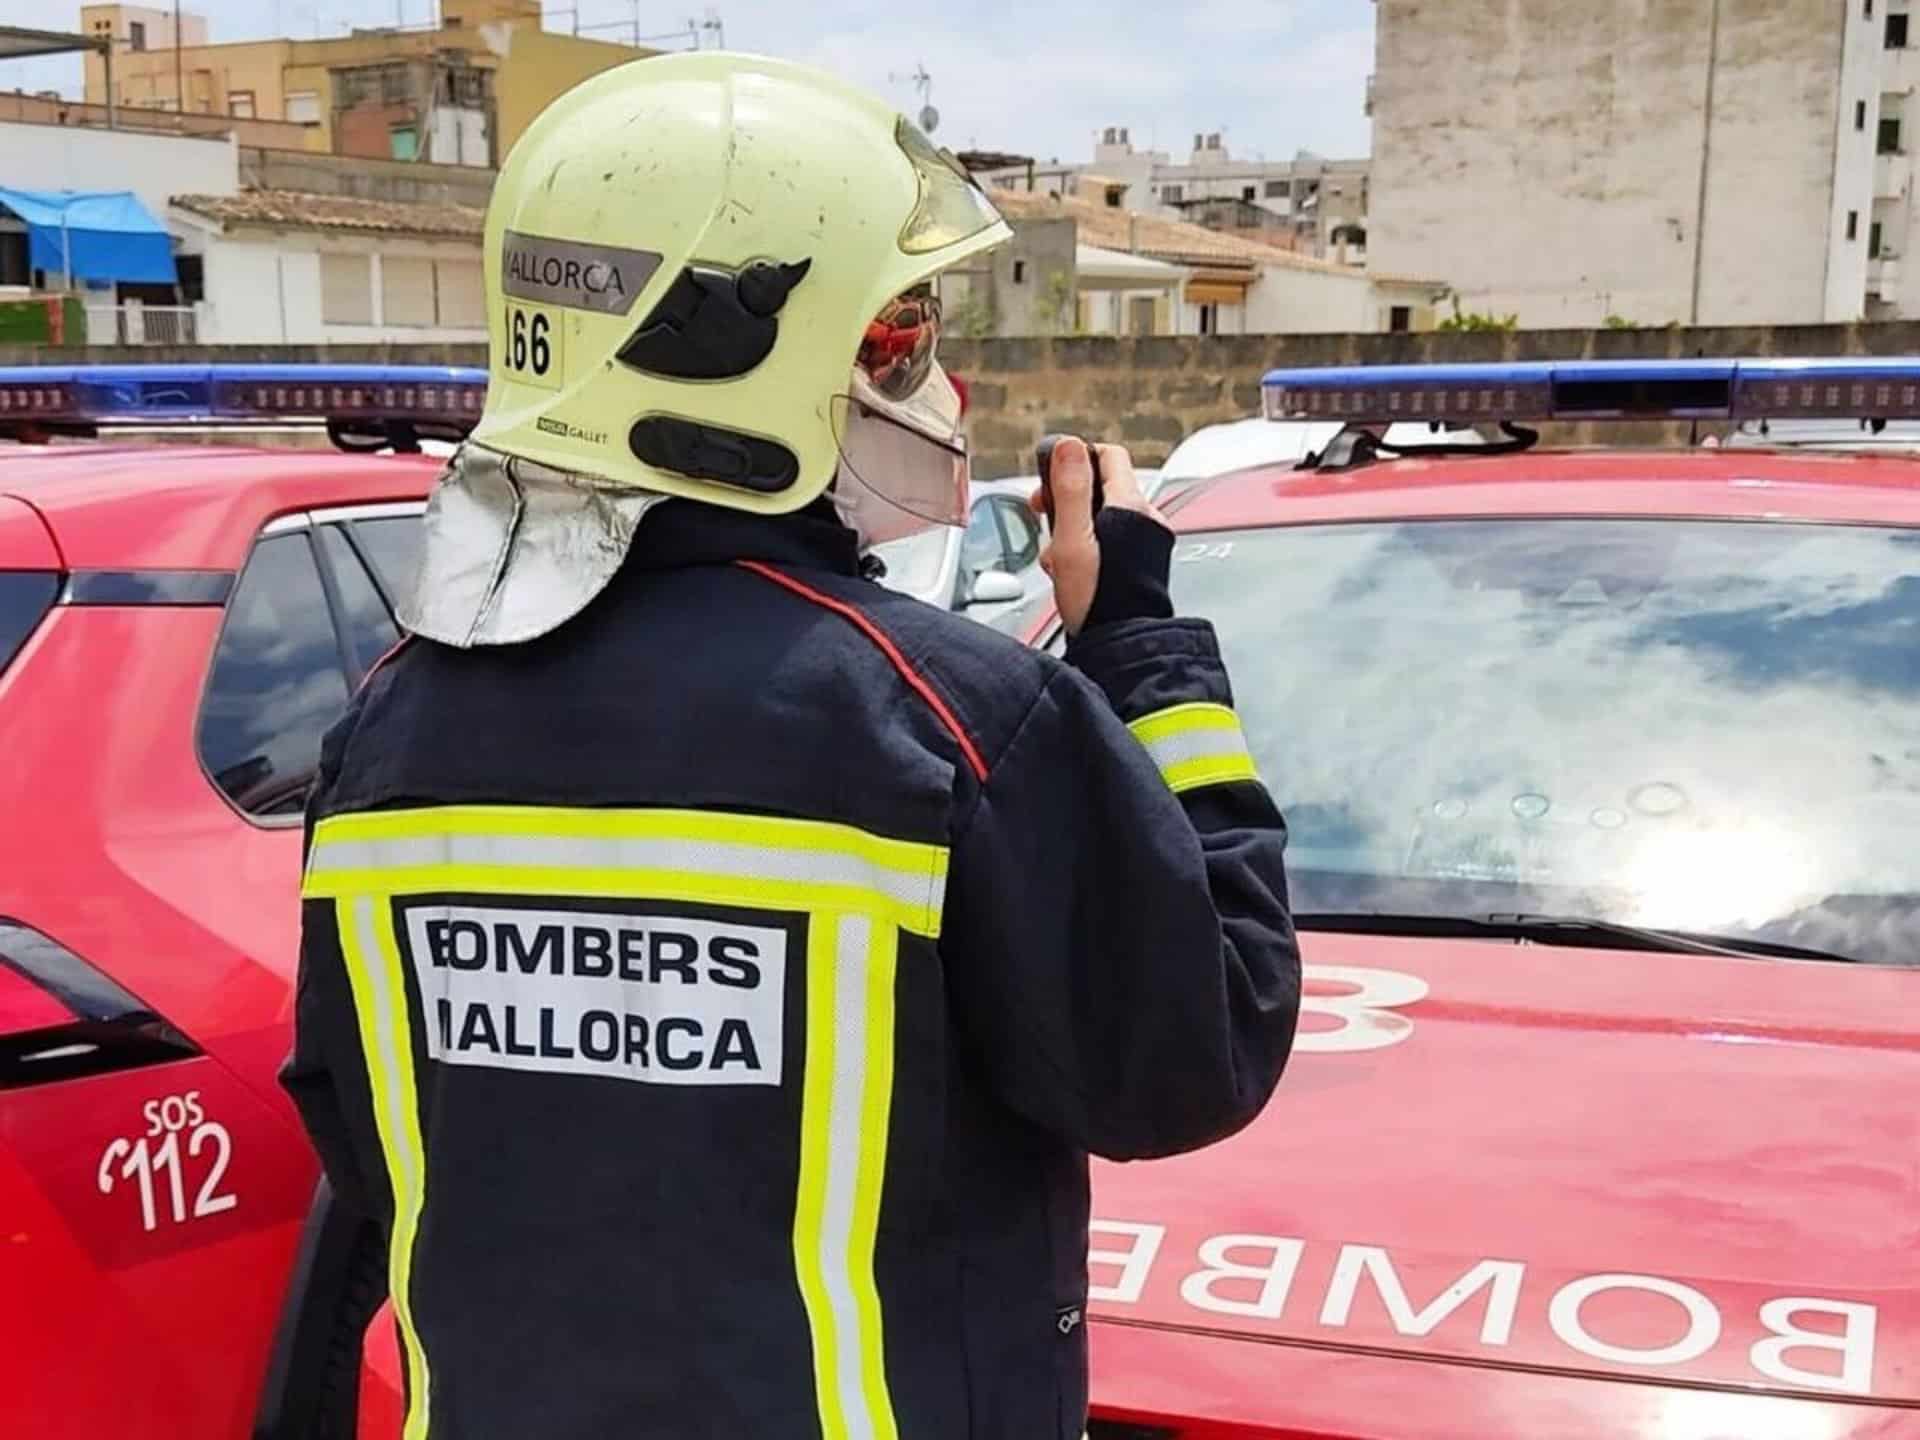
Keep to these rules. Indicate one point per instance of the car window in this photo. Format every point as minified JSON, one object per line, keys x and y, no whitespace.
{"x":363,"y":614}
{"x":277,"y":681}
{"x":1697,"y":725}
{"x":982,"y":549}
{"x":1020,"y":531}
{"x":392,"y":544}
{"x":25,"y":598}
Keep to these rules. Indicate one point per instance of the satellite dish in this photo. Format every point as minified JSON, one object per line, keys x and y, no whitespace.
{"x":929,"y":119}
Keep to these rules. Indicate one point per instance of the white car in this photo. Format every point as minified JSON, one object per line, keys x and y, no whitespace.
{"x":990,"y":570}
{"x":1241,"y":444}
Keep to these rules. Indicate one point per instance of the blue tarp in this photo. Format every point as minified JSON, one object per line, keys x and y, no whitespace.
{"x":94,"y":234}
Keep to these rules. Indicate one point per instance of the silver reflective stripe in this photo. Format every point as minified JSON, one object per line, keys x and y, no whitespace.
{"x":705,"y":857}
{"x":851,"y":966}
{"x":1204,"y":744}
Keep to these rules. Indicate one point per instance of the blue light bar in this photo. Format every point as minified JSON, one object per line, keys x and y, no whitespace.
{"x":1866,"y":388}
{"x":91,"y":395}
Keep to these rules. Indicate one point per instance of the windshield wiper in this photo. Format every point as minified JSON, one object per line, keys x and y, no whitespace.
{"x":1581,"y":930}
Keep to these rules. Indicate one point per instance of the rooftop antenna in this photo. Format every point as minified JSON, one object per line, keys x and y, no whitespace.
{"x":714,"y":27}
{"x":922,"y":82}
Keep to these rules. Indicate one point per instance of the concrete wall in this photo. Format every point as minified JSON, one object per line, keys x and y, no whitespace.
{"x":1544,"y":156}
{"x":1147,"y":393}
{"x":154,"y":167}
{"x":536,"y":67}
{"x":1289,"y":301}
{"x":402,"y":181}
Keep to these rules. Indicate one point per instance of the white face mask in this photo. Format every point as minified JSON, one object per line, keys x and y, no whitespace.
{"x":903,"y":465}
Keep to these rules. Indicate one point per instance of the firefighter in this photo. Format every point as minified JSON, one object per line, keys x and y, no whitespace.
{"x":716,"y":969}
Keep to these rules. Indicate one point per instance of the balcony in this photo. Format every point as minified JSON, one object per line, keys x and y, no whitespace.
{"x":1892,"y":173}
{"x":142,"y":325}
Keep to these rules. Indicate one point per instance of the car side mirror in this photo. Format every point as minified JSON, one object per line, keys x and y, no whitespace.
{"x":994,"y":587}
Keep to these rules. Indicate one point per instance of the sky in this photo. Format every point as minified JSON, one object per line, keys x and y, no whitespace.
{"x":1274,"y":76}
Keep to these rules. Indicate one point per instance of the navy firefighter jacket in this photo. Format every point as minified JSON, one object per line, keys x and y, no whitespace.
{"x":717,"y":998}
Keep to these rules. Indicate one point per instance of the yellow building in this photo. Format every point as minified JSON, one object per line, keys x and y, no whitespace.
{"x":461,"y":93}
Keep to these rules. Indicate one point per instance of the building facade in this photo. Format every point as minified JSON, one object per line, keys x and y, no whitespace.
{"x":1207,"y":282}
{"x":1309,"y":204}
{"x":1648,"y":162}
{"x":295,"y":269}
{"x":459,"y":93}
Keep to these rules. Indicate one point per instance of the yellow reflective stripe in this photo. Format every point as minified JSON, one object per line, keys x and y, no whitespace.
{"x":637,"y":884}
{"x":693,"y":855}
{"x":1218,"y":770}
{"x":846,"y":1103}
{"x":365,"y":927}
{"x":718,"y":826}
{"x":1196,"y":744}
{"x":810,"y":1207}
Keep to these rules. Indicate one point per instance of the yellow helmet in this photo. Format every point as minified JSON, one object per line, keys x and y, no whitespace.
{"x":684,"y":258}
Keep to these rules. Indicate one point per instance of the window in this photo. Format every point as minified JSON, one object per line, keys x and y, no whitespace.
{"x":1866,"y":9}
{"x":1278,"y":189}
{"x":1019,"y":533}
{"x":277,"y":683}
{"x":192,"y":273}
{"x":13,"y":258}
{"x":1172,"y":194}
{"x":403,"y":142}
{"x":1889,"y":135}
{"x":364,"y":616}
{"x":1897,"y":30}
{"x":303,"y":107}
{"x":1400,"y":319}
{"x":25,"y":598}
{"x":1853,"y":225}
{"x":1859,"y":114}
{"x":392,"y":546}
{"x":1873,"y":241}
{"x":980,"y":548}
{"x":1019,"y":272}
{"x":1209,"y":319}
{"x":1246,"y":192}
{"x":346,"y":290}
{"x":406,"y":290}
{"x":463,"y":303}
{"x":240,"y":104}
{"x":137,"y":36}
{"x":1140,"y":312}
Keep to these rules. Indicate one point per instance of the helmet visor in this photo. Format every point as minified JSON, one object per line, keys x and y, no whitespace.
{"x":903,"y":467}
{"x":951,"y":207}
{"x":898,"y":350}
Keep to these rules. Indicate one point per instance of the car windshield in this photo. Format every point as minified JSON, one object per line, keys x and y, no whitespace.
{"x":1699,"y":725}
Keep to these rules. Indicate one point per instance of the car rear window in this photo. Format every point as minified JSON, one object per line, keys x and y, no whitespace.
{"x":25,"y":598}
{"x":1698,"y":725}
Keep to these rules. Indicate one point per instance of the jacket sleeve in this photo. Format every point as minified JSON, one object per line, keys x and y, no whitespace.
{"x":1121,"y":953}
{"x":326,"y":1075}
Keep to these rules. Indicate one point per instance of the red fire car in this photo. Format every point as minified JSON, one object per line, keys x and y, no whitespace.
{"x":177,"y":626}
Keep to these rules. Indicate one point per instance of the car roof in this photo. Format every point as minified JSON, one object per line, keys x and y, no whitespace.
{"x":190,"y":507}
{"x":1741,"y":484}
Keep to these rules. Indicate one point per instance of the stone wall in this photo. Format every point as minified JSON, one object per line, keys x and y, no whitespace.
{"x":1149,"y":392}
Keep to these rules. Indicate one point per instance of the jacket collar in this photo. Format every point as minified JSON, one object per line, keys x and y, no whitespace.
{"x":680,"y":533}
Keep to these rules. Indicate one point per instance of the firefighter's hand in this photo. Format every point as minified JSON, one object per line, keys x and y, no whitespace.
{"x":1138,"y":543}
